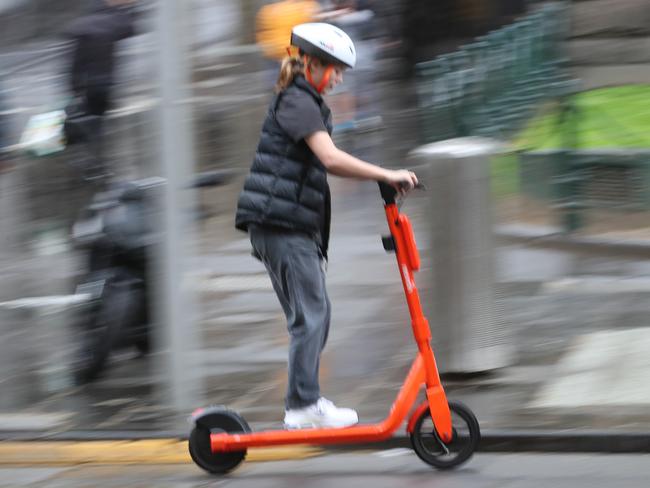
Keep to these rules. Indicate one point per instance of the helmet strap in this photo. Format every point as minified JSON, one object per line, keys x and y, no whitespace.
{"x":305,"y":61}
{"x":326,"y":75}
{"x":326,"y":78}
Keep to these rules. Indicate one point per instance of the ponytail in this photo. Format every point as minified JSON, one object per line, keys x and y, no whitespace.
{"x":290,"y":68}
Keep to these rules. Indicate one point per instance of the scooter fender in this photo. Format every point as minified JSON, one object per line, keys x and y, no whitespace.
{"x":200,"y":416}
{"x":421,"y":408}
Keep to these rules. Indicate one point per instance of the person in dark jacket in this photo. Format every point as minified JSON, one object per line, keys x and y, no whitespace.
{"x":92,"y":66}
{"x":285,"y":208}
{"x":4,"y":132}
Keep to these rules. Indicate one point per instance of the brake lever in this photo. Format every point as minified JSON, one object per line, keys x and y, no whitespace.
{"x":402,"y":197}
{"x":419,"y":186}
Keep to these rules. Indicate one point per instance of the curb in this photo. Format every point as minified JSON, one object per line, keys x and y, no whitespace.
{"x":137,"y":447}
{"x":578,"y":441}
{"x":556,"y":239}
{"x":504,"y":441}
{"x":119,"y":452}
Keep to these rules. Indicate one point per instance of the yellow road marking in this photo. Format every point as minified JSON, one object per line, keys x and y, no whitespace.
{"x":150,"y":451}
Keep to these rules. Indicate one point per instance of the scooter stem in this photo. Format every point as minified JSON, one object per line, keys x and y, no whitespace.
{"x":408,"y":262}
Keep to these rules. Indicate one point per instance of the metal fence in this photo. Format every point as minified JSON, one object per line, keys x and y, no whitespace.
{"x":491,"y":86}
{"x":575,"y":180}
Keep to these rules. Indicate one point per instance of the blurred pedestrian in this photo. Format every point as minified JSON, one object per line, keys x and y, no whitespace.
{"x":285,"y":207}
{"x":92,"y":71}
{"x":274,"y":22}
{"x":4,"y":132}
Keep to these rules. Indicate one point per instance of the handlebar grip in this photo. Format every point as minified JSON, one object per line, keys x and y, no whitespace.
{"x":388,"y":192}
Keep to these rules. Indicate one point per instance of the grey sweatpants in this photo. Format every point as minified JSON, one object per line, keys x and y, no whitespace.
{"x":293,"y":261}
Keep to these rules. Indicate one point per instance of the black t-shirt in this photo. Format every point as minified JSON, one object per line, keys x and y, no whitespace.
{"x":299,"y":115}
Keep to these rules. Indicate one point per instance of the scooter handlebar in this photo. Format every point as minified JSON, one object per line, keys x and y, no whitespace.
{"x":389,"y":192}
{"x":212,"y":178}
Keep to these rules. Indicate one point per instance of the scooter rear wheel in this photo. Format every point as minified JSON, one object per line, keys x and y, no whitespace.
{"x":466,"y":435}
{"x":215,"y":421}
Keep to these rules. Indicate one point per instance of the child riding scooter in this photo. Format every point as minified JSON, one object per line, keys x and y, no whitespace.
{"x":285,"y":208}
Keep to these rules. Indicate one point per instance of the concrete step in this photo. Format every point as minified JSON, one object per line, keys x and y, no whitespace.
{"x":612,"y":75}
{"x":610,"y":51}
{"x":610,"y":18}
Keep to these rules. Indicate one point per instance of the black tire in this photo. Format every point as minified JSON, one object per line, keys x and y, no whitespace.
{"x":221,"y":420}
{"x":430,"y":448}
{"x":101,"y":331}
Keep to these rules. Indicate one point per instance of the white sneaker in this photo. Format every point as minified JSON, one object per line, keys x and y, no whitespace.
{"x":323,"y":413}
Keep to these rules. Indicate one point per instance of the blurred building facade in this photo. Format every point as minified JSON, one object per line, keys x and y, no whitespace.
{"x":610,"y":42}
{"x":426,"y":27}
{"x":432,"y":28}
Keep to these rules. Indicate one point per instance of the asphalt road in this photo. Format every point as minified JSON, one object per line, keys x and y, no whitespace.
{"x":371,"y":469}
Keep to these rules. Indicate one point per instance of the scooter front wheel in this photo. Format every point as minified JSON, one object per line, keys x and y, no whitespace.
{"x":466,"y":435}
{"x":215,"y":420}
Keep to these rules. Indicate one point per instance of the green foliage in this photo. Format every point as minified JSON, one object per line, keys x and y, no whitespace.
{"x":607,"y":117}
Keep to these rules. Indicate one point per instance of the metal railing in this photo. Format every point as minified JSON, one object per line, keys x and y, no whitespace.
{"x":491,"y":86}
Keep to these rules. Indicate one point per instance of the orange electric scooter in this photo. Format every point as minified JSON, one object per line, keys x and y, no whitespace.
{"x":443,"y":434}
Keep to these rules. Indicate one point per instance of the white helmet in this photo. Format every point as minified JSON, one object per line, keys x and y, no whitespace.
{"x":326,"y":42}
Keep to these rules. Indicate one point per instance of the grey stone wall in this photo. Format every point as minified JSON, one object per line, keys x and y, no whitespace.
{"x":611,"y":18}
{"x":621,"y":50}
{"x":610,"y":42}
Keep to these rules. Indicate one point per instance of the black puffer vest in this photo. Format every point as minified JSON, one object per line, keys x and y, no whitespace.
{"x":287,"y":185}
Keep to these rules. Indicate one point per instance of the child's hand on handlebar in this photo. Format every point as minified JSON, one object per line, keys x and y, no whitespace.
{"x":402,"y":180}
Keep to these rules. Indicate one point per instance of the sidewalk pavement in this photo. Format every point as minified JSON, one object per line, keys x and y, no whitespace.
{"x":577,"y":323}
{"x":574,"y":311}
